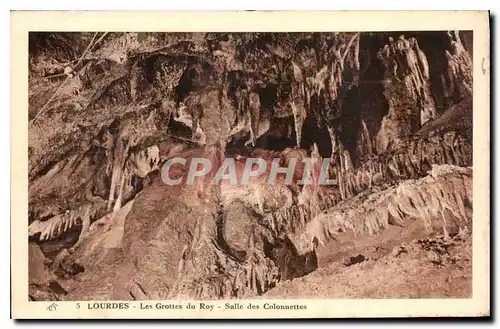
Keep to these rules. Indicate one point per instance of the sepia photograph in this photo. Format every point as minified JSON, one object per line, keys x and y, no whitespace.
{"x":267,"y":166}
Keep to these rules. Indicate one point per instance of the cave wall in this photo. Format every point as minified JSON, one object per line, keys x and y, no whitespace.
{"x":384,"y":107}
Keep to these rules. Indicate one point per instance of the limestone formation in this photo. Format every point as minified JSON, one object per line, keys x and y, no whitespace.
{"x":392,"y":112}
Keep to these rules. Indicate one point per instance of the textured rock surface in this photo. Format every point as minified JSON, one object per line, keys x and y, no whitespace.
{"x":420,"y":268}
{"x":392,"y":112}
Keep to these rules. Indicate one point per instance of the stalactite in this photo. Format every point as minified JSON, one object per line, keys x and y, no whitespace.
{"x":254,"y":116}
{"x":85,"y":218}
{"x":118,"y":202}
{"x":299,"y":114}
{"x":356,"y":53}
{"x":120,"y":156}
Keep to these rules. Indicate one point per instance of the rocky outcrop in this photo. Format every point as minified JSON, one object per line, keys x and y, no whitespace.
{"x":406,"y":84}
{"x":43,"y":284}
{"x":446,"y":141}
{"x":441,"y":200}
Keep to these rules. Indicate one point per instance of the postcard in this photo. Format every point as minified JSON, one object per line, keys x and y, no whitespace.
{"x":175,"y":165}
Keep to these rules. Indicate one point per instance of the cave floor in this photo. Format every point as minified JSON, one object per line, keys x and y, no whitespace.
{"x":425,"y":268}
